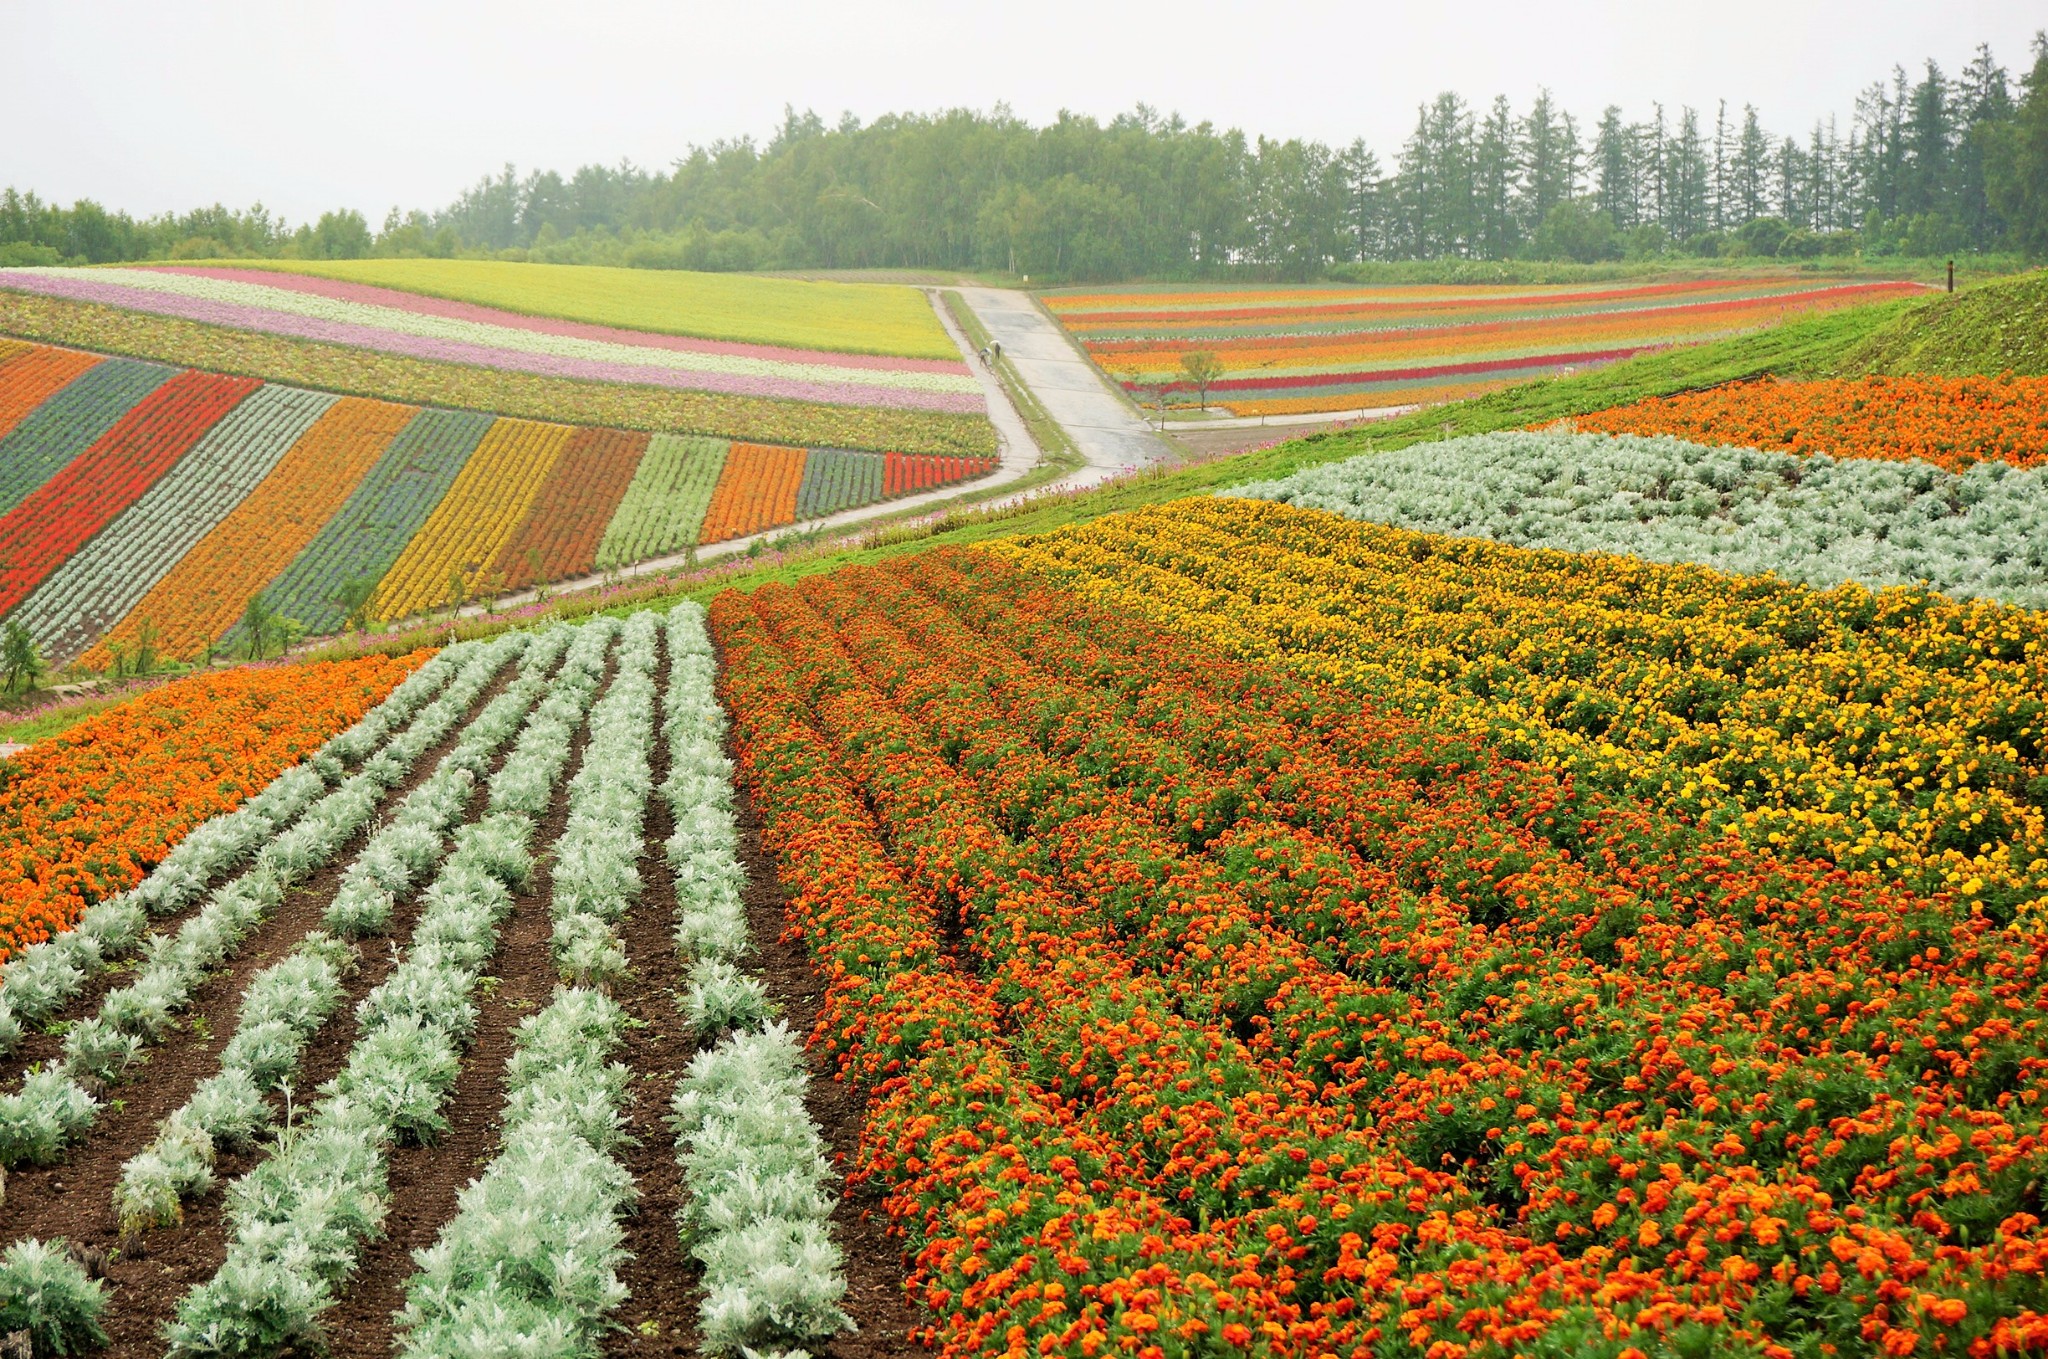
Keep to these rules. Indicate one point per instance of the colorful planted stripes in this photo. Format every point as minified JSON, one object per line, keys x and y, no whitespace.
{"x":62,"y":515}
{"x":144,"y":506}
{"x":1322,"y":349}
{"x":387,"y":508}
{"x":70,"y":420}
{"x":463,"y":535}
{"x":31,"y":377}
{"x":204,"y":595}
{"x":560,"y":534}
{"x":110,"y":575}
{"x":402,"y":323}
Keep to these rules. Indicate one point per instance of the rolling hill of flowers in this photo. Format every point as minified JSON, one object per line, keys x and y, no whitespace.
{"x":145,"y":505}
{"x":1294,"y":350}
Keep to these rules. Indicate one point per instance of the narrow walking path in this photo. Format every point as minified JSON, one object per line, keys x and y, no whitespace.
{"x":1112,"y":437}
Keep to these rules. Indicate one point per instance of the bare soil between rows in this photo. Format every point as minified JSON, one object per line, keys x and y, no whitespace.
{"x":73,"y":1199}
{"x":875,"y":1273}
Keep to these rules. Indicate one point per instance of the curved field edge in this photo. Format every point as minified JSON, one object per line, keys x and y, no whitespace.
{"x":849,"y":318}
{"x":1806,"y":348}
{"x":420,"y":382}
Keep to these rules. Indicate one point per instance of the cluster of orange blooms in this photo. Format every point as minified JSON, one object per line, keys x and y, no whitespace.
{"x":1210,"y":1009}
{"x":1951,"y":422}
{"x":85,"y":814}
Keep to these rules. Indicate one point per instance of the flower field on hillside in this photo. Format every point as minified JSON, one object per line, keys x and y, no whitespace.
{"x":1954,"y":423}
{"x":86,"y":814}
{"x":1292,"y":350}
{"x":1815,"y":519}
{"x":401,"y":323}
{"x":505,"y":391}
{"x":1217,"y":1010}
{"x":147,"y":505}
{"x":1898,"y":733}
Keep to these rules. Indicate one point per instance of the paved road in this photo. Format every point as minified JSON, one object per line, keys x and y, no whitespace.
{"x":1109,"y":434}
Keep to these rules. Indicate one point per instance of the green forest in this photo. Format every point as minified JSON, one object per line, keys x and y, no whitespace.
{"x":1926,"y":164}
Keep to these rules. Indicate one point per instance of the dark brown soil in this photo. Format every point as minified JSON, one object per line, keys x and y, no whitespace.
{"x":874,"y":1258}
{"x":425,"y":1180}
{"x":73,"y":1199}
{"x":659,"y":1316}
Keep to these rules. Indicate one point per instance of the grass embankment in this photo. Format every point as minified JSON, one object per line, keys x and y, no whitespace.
{"x":1997,"y":328}
{"x":852,"y":318}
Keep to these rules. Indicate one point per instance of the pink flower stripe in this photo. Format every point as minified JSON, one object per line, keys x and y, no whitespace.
{"x":242,"y":317}
{"x":544,"y":325}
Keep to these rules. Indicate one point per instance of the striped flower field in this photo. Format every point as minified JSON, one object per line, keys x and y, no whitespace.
{"x":143,"y":505}
{"x":393,"y":322}
{"x":1297,"y":350}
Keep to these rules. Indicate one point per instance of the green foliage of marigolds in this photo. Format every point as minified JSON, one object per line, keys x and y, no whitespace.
{"x":46,"y":1296}
{"x":391,"y":377}
{"x":1998,"y":327}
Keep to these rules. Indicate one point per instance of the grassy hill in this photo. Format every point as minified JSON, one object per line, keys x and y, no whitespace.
{"x":1997,"y":328}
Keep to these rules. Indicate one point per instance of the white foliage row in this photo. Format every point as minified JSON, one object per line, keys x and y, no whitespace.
{"x":97,"y":586}
{"x":757,"y":1210}
{"x":595,"y":874}
{"x":528,"y":1265}
{"x":1817,"y":520}
{"x":43,"y":977}
{"x":297,"y":1223}
{"x":756,"y":1215}
{"x":54,"y":1107}
{"x":229,"y":1109}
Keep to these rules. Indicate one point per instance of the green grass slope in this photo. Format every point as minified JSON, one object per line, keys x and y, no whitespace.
{"x":1996,"y":328}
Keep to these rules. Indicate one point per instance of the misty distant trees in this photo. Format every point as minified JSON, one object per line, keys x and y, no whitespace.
{"x":1925,"y":164}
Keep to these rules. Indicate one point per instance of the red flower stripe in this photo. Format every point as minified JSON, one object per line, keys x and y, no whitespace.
{"x":93,"y":488}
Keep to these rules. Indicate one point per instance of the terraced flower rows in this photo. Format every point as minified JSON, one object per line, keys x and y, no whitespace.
{"x":1220,"y":1010}
{"x":143,"y":506}
{"x":1292,"y":350}
{"x":410,"y":891}
{"x":392,"y":322}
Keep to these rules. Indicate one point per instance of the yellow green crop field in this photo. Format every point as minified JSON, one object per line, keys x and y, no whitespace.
{"x":854,"y":318}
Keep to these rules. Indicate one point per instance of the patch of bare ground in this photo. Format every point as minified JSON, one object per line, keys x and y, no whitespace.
{"x":659,"y":1316}
{"x":425,"y":1180}
{"x":74,"y":1198}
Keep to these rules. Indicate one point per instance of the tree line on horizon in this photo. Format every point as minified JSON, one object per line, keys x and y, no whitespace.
{"x":1925,"y":166}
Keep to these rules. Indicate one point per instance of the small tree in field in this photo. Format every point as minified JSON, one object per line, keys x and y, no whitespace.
{"x":353,"y":599}
{"x":260,"y":622}
{"x":19,"y":660}
{"x":1203,"y":368}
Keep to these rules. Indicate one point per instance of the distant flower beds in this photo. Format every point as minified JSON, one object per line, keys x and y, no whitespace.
{"x":427,"y":328}
{"x":1817,"y":520}
{"x":1950,"y":422}
{"x":142,"y":507}
{"x":534,"y":396}
{"x":1285,"y":351}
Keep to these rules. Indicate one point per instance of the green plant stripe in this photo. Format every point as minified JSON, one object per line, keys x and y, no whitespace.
{"x":836,"y":480}
{"x":380,"y":516}
{"x":664,"y":506}
{"x":71,"y":421}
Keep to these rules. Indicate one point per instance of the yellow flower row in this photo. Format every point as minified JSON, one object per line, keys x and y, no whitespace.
{"x":481,"y":511}
{"x":1898,"y":731}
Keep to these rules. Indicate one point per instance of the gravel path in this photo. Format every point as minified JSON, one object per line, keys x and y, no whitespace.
{"x":1112,"y":437}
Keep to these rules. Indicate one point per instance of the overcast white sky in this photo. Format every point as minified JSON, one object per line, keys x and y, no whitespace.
{"x":151,"y":105}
